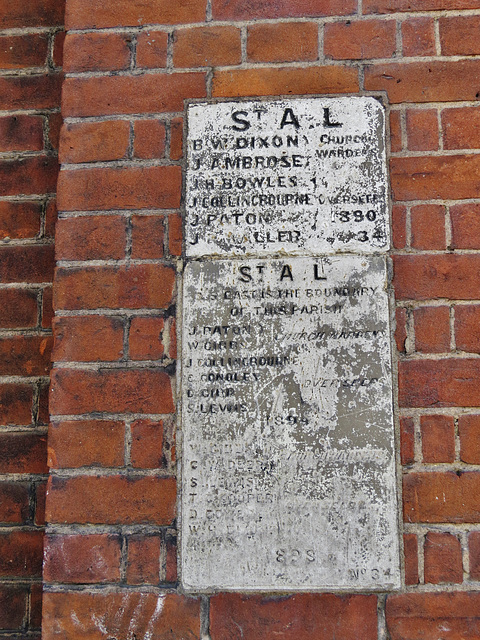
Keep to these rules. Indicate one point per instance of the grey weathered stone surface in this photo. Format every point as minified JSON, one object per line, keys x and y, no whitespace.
{"x":303,"y":176}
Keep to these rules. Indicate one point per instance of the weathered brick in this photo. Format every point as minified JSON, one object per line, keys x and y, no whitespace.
{"x":143,"y":563}
{"x":91,"y":238}
{"x":411,"y":558}
{"x":148,"y":93}
{"x":452,"y":382}
{"x":110,"y":390}
{"x":34,"y":13}
{"x":40,"y":498}
{"x":18,"y":308}
{"x":14,"y":502}
{"x":172,"y":338}
{"x":82,"y":559}
{"x":360,"y":39}
{"x":443,"y":558}
{"x":145,"y":338}
{"x":25,"y":355}
{"x":423,"y":277}
{"x":407,"y":441}
{"x":171,"y":559}
{"x":438,"y":438}
{"x":401,"y":329}
{"x":19,"y":220}
{"x":13,"y":606}
{"x":88,"y":339}
{"x":392,"y":6}
{"x":152,"y":49}
{"x":428,"y":227}
{"x":175,"y":234}
{"x":176,"y":138}
{"x":21,"y":554}
{"x":474,"y":555}
{"x":465,"y":219}
{"x":23,"y":452}
{"x":282,"y":42}
{"x":30,"y":92}
{"x":246,"y":9}
{"x":428,"y":615}
{"x":396,"y":143}
{"x":432,"y":329}
{"x":94,"y":141}
{"x":274,"y":81}
{"x":143,"y":615}
{"x":467,"y":328}
{"x":330,"y":617}
{"x":51,"y":216}
{"x":147,"y":444}
{"x":29,"y":50}
{"x":119,"y":188}
{"x":399,"y":226}
{"x":96,"y":52}
{"x":441,"y":497}
{"x":47,"y":307}
{"x":29,"y":176}
{"x":111,"y":500}
{"x":58,"y":42}
{"x":73,"y":444}
{"x":139,"y":286}
{"x":461,"y":128}
{"x":418,"y":36}
{"x":21,"y":133}
{"x":206,"y":47}
{"x":16,"y":404}
{"x":459,"y":35}
{"x":469,"y":432}
{"x":149,"y":141}
{"x":148,"y":237}
{"x":422,"y":129}
{"x":84,"y":14}
{"x":426,"y":81}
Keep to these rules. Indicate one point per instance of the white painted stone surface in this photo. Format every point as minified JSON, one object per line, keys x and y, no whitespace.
{"x":296,"y":176}
{"x":288,"y":465}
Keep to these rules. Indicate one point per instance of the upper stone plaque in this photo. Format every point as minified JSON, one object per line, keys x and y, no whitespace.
{"x":300,"y":176}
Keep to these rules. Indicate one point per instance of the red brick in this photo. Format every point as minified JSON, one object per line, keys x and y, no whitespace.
{"x":395,"y":131}
{"x":141,"y":615}
{"x":443,"y":558}
{"x":148,"y":93}
{"x":399,"y":226}
{"x":241,"y":617}
{"x":17,"y":52}
{"x":114,"y":391}
{"x":73,"y":444}
{"x":401,"y":329}
{"x":149,"y":141}
{"x":418,"y":37}
{"x":469,"y":432}
{"x":428,"y":616}
{"x":428,"y":226}
{"x":392,"y":6}
{"x":30,"y":92}
{"x":51,"y":216}
{"x":40,"y":497}
{"x":149,"y":285}
{"x":16,"y":404}
{"x":14,"y":502}
{"x":111,"y":500}
{"x":145,"y":339}
{"x":21,"y":554}
{"x":19,"y":220}
{"x":432,"y":329}
{"x":13,"y":606}
{"x":152,"y":49}
{"x":148,"y":237}
{"x":147,"y":444}
{"x":55,"y":122}
{"x":25,"y":355}
{"x":206,"y":47}
{"x":29,"y":176}
{"x":88,"y":339}
{"x":82,"y":559}
{"x":58,"y":42}
{"x":96,"y":52}
{"x":171,"y":559}
{"x":422,"y":129}
{"x":35,"y":13}
{"x":423,"y":277}
{"x":36,"y":605}
{"x":426,"y":81}
{"x":143,"y":564}
{"x":176,"y":138}
{"x":94,"y":141}
{"x":47,"y":307}
{"x":83,"y":14}
{"x":438,"y":438}
{"x":175,"y":234}
{"x":465,"y":219}
{"x":360,"y":39}
{"x":91,"y":238}
{"x":275,"y":81}
{"x":459,"y":35}
{"x":43,"y":413}
{"x":282,"y":42}
{"x":21,"y":133}
{"x":439,"y":383}
{"x":18,"y":308}
{"x":119,"y":188}
{"x":172,"y":339}
{"x":248,"y":10}
{"x":461,"y":128}
{"x":407,"y":440}
{"x":411,"y":558}
{"x":474,"y":553}
{"x":467,"y":328}
{"x":441,"y":497}
{"x":23,"y":453}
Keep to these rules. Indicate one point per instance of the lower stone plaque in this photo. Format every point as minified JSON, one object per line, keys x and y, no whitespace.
{"x":288,"y":465}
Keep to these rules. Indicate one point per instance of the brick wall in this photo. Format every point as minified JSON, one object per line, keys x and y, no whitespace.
{"x":30,"y":83}
{"x":110,"y":559}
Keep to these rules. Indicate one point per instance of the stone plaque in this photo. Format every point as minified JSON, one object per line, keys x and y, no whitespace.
{"x":300,"y":176}
{"x":288,"y":452}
